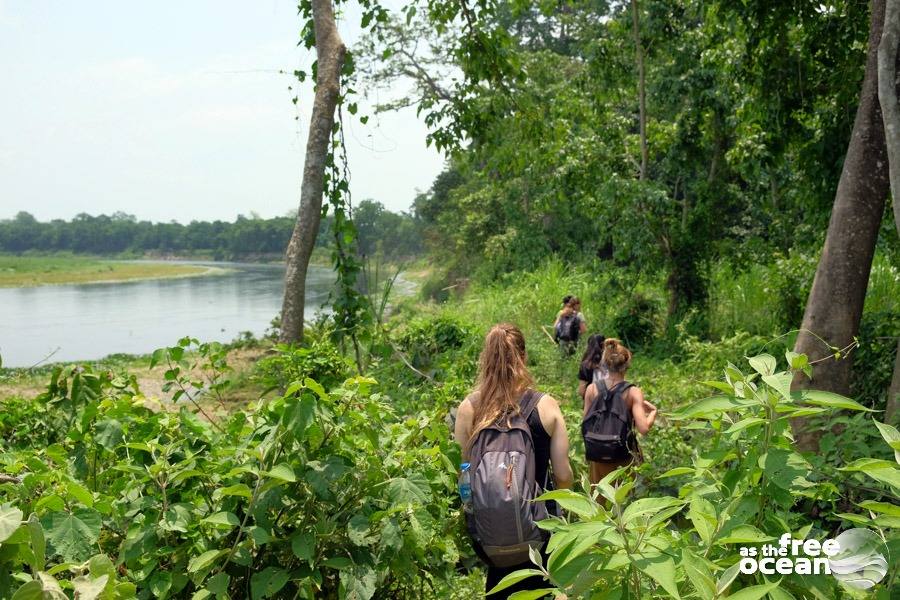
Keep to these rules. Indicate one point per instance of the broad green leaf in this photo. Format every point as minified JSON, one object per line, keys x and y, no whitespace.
{"x":198,"y":563}
{"x":699,"y":575}
{"x":38,"y":543}
{"x":359,"y":583}
{"x":108,"y":433}
{"x":531,"y":594}
{"x":661,"y":568}
{"x":647,"y":506}
{"x":73,"y":535}
{"x":239,"y":489}
{"x":785,"y":468}
{"x":10,"y":519}
{"x":744,"y":534}
{"x":703,"y":515}
{"x":87,"y":588}
{"x":223,"y":519}
{"x":884,"y":508}
{"x":744,"y":424}
{"x":408,"y":490}
{"x":879,"y":470}
{"x":338,"y":562}
{"x":572,"y":501}
{"x":80,"y":493}
{"x":218,"y":584}
{"x":711,"y":408}
{"x":676,"y":471}
{"x":781,"y":383}
{"x":514,"y":578}
{"x":303,"y":545}
{"x":282,"y":472}
{"x":31,"y":590}
{"x":721,"y":386}
{"x":727,"y":577}
{"x":268,"y":582}
{"x":780,"y":594}
{"x":754,"y":592}
{"x":891,"y":436}
{"x":764,"y":364}
{"x":829,"y":399}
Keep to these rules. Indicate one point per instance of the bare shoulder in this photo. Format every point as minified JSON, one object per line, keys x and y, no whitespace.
{"x":466,"y":407}
{"x":548,"y":409}
{"x":548,"y":402}
{"x":633,"y":395}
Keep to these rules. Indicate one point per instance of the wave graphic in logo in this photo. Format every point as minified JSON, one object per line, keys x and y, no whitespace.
{"x":860,"y":562}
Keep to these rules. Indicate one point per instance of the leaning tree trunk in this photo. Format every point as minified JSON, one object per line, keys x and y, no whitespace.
{"x":330,"y":53}
{"x":835,"y":304}
{"x":888,"y":83}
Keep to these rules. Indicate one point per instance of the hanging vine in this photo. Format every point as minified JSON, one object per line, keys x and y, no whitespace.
{"x":351,"y":307}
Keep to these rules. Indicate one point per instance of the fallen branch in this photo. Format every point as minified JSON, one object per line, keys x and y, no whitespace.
{"x":9,"y":478}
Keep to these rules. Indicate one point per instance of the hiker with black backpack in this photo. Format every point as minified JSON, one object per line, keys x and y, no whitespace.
{"x":591,"y":362}
{"x":569,"y":325}
{"x":613,"y":410}
{"x":512,"y":439}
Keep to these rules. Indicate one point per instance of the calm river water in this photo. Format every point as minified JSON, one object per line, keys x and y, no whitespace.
{"x":81,"y":322}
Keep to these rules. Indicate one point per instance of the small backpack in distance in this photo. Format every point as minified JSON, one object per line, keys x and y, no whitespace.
{"x":504,"y":516}
{"x":567,"y":329}
{"x":607,"y":428}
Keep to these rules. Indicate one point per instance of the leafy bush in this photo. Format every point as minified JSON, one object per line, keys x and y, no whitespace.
{"x":637,"y":323}
{"x":320,"y":361}
{"x":744,"y":484}
{"x":316,"y":494}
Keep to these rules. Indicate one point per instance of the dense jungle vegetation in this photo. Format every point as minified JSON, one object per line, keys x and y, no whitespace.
{"x":675,"y":164}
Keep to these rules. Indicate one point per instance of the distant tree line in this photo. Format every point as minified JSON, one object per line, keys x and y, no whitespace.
{"x":392,"y":235}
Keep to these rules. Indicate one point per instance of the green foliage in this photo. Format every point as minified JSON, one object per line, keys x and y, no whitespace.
{"x":315,"y":494}
{"x":746,"y":485}
{"x":638,"y":322}
{"x":320,"y":361}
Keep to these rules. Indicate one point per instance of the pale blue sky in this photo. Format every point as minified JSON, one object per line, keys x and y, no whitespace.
{"x":173,"y":110}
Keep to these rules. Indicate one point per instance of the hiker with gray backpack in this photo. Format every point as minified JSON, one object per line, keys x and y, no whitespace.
{"x":614,"y":410}
{"x":514,"y":447}
{"x":569,"y":325}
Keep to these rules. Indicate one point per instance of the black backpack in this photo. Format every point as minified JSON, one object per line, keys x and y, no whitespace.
{"x":567,"y":329}
{"x":504,"y":517}
{"x":607,"y":428}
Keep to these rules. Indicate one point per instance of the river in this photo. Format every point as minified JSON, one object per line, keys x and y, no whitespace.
{"x":90,"y":321}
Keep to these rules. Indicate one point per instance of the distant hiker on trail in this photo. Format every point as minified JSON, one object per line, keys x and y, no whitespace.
{"x":613,"y":410}
{"x":591,"y":361}
{"x":569,"y":325}
{"x":511,"y":436}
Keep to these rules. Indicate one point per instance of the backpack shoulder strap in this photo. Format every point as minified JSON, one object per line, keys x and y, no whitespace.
{"x":529,"y":401}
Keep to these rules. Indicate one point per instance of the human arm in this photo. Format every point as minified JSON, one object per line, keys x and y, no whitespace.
{"x":463,"y":429}
{"x":582,"y":323}
{"x":582,"y":388}
{"x":559,"y":442}
{"x":590,"y":394}
{"x":643,"y":412}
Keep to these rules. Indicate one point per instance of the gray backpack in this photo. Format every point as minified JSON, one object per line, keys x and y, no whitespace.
{"x":504,"y":517}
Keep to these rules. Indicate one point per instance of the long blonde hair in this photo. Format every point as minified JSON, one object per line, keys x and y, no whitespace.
{"x":502,"y":376}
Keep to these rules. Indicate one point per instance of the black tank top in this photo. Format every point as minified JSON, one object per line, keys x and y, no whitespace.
{"x":541,"y":440}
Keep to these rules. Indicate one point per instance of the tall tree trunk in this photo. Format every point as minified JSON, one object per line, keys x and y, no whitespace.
{"x":835,"y":304}
{"x":330,"y":54}
{"x":642,"y":96}
{"x":888,"y":84}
